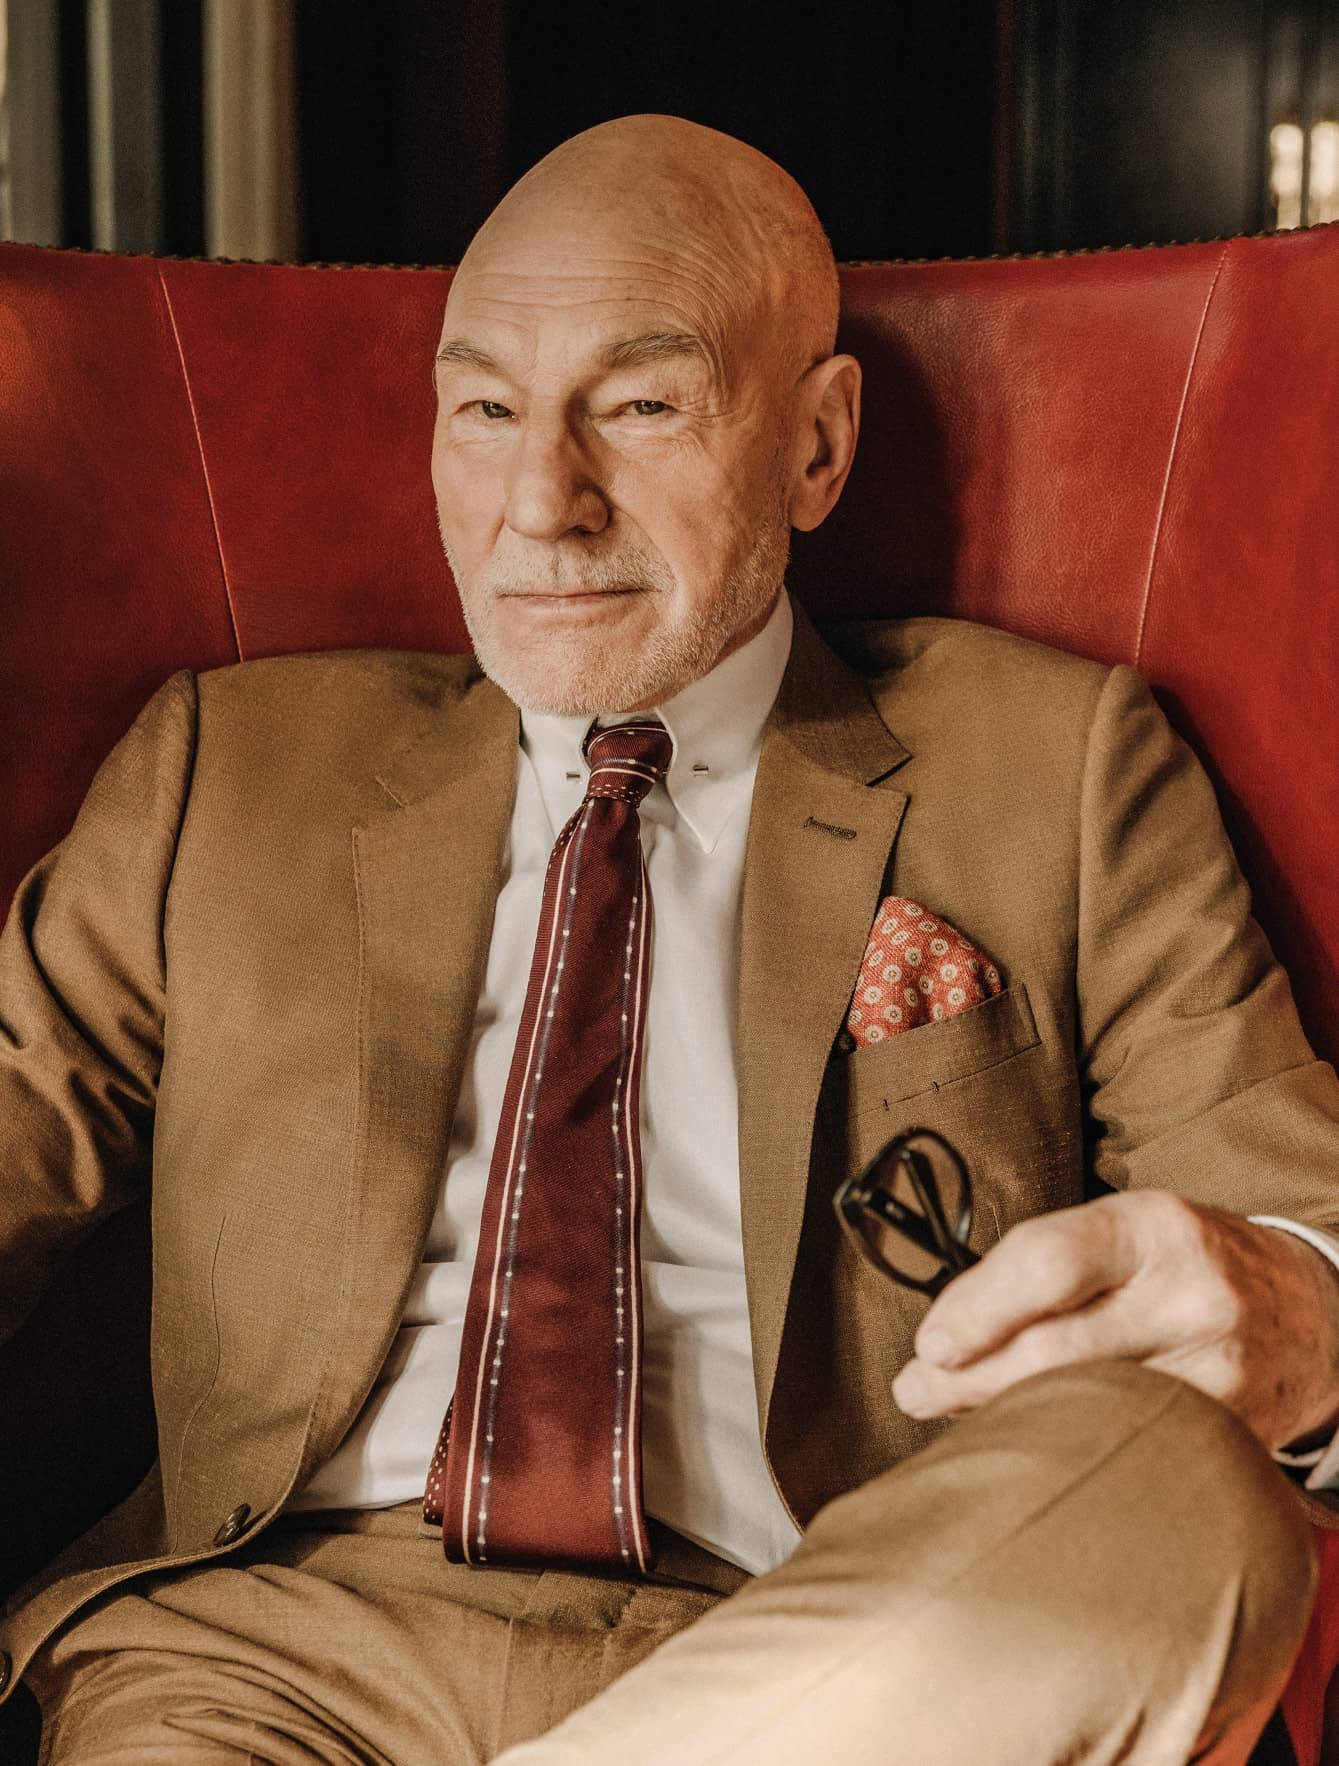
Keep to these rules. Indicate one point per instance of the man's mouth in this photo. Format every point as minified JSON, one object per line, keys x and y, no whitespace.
{"x":575,"y":596}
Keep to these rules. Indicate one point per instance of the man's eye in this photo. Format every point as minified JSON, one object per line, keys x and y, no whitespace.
{"x":649,"y":407}
{"x":491,"y":408}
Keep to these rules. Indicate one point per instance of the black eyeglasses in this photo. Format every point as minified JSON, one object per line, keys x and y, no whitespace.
{"x":910,"y":1211}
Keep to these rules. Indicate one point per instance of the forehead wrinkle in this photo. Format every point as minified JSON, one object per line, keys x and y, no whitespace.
{"x":646,"y":278}
{"x":736,"y":295}
{"x":694,"y":295}
{"x":487,"y":305}
{"x":460,"y":352}
{"x":653,"y":346}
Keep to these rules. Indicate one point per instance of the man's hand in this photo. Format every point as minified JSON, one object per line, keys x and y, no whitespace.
{"x":1249,"y":1314}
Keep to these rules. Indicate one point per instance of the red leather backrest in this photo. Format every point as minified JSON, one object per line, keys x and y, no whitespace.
{"x":1130,"y":454}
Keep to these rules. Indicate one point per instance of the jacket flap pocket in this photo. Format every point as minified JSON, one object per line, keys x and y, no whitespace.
{"x":935,"y":1055}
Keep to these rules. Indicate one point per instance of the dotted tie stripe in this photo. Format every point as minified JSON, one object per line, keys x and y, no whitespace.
{"x":538,"y":1460}
{"x":917,"y":968}
{"x":626,"y":760}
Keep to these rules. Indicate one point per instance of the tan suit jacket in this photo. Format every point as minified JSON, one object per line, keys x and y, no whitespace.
{"x":246,"y":980}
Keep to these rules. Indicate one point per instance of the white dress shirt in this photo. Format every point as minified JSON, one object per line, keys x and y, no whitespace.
{"x":702,"y":1464}
{"x":703,"y":1470}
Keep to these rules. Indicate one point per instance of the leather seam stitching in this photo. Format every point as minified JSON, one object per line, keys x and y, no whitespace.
{"x":204,"y":465}
{"x":1171,"y":457}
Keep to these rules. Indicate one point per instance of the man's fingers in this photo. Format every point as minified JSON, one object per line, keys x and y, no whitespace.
{"x":1053,"y":1264}
{"x":1144,"y":1277}
{"x":1110,"y":1327}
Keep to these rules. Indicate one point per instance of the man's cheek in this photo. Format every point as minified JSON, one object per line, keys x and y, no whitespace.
{"x":471,"y":499}
{"x":666,"y":507}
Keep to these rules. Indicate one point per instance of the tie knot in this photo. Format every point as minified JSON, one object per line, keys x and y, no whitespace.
{"x":627,"y":759}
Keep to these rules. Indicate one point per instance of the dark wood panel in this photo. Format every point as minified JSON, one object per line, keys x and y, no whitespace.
{"x":1167,"y":127}
{"x":1150,"y":120}
{"x":402,"y":127}
{"x":883,"y":112}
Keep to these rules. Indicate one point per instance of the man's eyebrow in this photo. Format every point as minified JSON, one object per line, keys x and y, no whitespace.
{"x":465,"y":354}
{"x":654,"y":346}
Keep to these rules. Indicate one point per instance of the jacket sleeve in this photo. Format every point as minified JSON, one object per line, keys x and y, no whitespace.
{"x":82,"y":1003}
{"x":1197,"y":1074}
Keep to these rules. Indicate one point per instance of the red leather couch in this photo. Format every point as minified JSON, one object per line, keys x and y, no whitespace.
{"x":1129,"y":454}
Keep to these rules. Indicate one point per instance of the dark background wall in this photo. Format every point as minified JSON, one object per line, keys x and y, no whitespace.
{"x":1149,"y":119}
{"x":885,"y":117}
{"x":920,"y":130}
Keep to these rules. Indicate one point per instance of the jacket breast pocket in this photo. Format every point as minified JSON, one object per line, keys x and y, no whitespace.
{"x":984,"y":1080}
{"x":935,"y":1055}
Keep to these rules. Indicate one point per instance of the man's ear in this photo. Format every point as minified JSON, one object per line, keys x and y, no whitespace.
{"x":828,"y":419}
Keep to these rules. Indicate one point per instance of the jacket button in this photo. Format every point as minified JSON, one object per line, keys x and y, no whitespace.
{"x":6,"y":1665}
{"x":235,"y":1525}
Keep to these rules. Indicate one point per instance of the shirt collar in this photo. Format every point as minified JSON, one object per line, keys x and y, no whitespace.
{"x":715,"y":725}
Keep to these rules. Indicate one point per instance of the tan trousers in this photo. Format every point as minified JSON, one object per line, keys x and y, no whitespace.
{"x":1101,"y":1566}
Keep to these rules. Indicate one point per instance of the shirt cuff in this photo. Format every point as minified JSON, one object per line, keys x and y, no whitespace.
{"x":1322,"y":1463}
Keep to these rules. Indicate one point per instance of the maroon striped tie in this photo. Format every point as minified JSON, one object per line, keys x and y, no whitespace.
{"x":539,"y":1458}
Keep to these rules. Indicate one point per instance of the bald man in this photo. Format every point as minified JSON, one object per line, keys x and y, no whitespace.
{"x":319,"y":1033}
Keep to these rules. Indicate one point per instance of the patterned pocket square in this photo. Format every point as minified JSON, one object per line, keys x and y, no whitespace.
{"x":916,"y":969}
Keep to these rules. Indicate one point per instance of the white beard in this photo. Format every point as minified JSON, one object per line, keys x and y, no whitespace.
{"x":580,"y":674}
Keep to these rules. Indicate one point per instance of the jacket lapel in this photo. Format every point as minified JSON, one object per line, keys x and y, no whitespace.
{"x":823,"y":821}
{"x":426,"y":868}
{"x":822,"y":826}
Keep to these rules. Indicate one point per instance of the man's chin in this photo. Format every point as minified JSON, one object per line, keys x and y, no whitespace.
{"x":568,"y":664}
{"x":570,"y":686}
{"x":556,"y":694}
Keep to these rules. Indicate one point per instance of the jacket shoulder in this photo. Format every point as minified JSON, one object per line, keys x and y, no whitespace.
{"x":928,"y":673}
{"x":310,"y":730}
{"x":886,"y":647}
{"x":342,"y":679}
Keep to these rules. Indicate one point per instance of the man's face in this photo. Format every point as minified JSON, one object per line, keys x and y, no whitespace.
{"x":611,"y":465}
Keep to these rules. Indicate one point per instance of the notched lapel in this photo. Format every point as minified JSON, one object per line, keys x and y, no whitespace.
{"x":427,"y":870}
{"x":824,"y":819}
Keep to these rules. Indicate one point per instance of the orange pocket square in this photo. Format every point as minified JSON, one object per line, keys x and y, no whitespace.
{"x":916,"y":969}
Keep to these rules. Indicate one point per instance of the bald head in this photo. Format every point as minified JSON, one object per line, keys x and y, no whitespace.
{"x":730,"y":214}
{"x":637,"y":401}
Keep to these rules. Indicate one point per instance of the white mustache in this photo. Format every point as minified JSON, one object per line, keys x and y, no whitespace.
{"x":593,"y":579}
{"x":578,"y":589}
{"x":626,"y":569}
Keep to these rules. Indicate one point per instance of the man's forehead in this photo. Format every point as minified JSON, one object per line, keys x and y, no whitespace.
{"x":476,"y":350}
{"x":597,"y":279}
{"x":515,"y":322}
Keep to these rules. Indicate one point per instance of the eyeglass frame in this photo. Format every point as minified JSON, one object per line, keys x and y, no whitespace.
{"x":929,"y":1231}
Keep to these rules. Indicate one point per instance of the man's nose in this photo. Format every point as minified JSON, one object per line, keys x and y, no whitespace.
{"x":551,"y":489}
